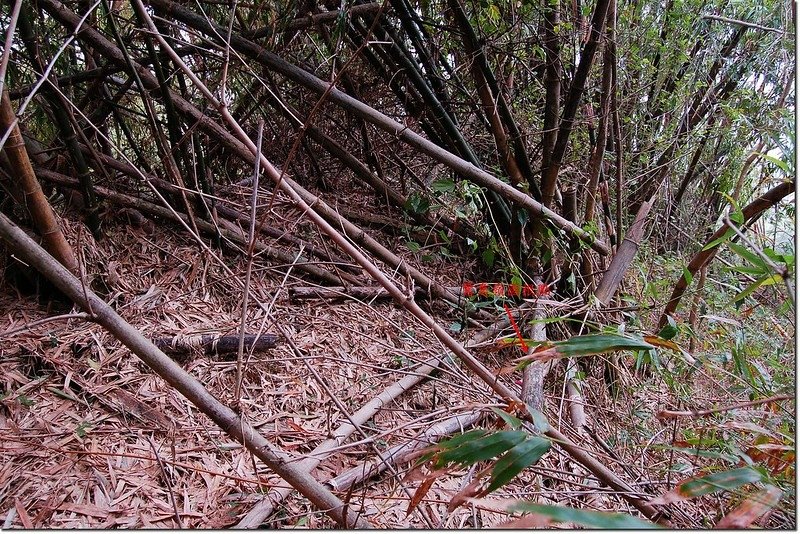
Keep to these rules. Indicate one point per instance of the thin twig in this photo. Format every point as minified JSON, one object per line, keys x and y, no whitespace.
{"x":250,"y":247}
{"x":46,"y":73}
{"x":30,"y":326}
{"x":12,"y":25}
{"x":165,"y":476}
{"x":669,"y":414}
{"x":744,"y":23}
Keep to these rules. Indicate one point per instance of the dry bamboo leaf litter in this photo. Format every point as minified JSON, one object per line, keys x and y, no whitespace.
{"x":73,"y":461}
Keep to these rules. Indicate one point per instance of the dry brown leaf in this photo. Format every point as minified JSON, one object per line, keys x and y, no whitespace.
{"x":471,"y":490}
{"x":422,"y":490}
{"x":87,"y":509}
{"x":24,"y":518}
{"x":755,"y":506}
{"x":543,"y":353}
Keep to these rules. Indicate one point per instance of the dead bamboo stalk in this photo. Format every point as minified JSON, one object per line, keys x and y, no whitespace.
{"x":624,"y":256}
{"x":226,"y":229}
{"x":359,"y":109}
{"x":43,"y":216}
{"x":574,"y":397}
{"x":214,"y":345}
{"x":281,"y":463}
{"x":400,"y":453}
{"x":276,"y":495}
{"x":533,"y":375}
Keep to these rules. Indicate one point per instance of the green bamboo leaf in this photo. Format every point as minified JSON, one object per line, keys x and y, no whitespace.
{"x":782,"y":165}
{"x":670,"y":329}
{"x":726,"y":480}
{"x":457,"y":441}
{"x":687,"y":275}
{"x":598,"y":344}
{"x":450,"y":444}
{"x":749,"y":256}
{"x":765,"y":281}
{"x":726,"y":236}
{"x":444,"y":185}
{"x":697,"y":487}
{"x":745,"y":269}
{"x":510,"y":420}
{"x":515,"y":460}
{"x":540,"y":422}
{"x":600,"y":520}
{"x":481,"y":449}
{"x":488,"y":257}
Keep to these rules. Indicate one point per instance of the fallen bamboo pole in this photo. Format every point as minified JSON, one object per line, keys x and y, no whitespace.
{"x":280,"y":462}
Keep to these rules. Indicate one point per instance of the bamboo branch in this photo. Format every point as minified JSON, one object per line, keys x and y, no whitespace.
{"x":743,"y":23}
{"x":673,"y":414}
{"x":227,"y":230}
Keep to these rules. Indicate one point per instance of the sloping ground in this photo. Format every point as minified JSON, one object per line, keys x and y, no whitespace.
{"x":90,"y":438}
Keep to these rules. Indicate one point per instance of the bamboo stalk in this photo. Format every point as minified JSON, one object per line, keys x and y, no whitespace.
{"x":43,"y":216}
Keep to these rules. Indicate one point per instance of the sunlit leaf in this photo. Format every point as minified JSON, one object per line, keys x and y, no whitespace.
{"x":765,"y":281}
{"x":687,"y":275}
{"x":599,"y":344}
{"x":782,"y":165}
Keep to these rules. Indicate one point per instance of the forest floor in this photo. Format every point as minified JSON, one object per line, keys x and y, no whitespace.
{"x":90,"y":437}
